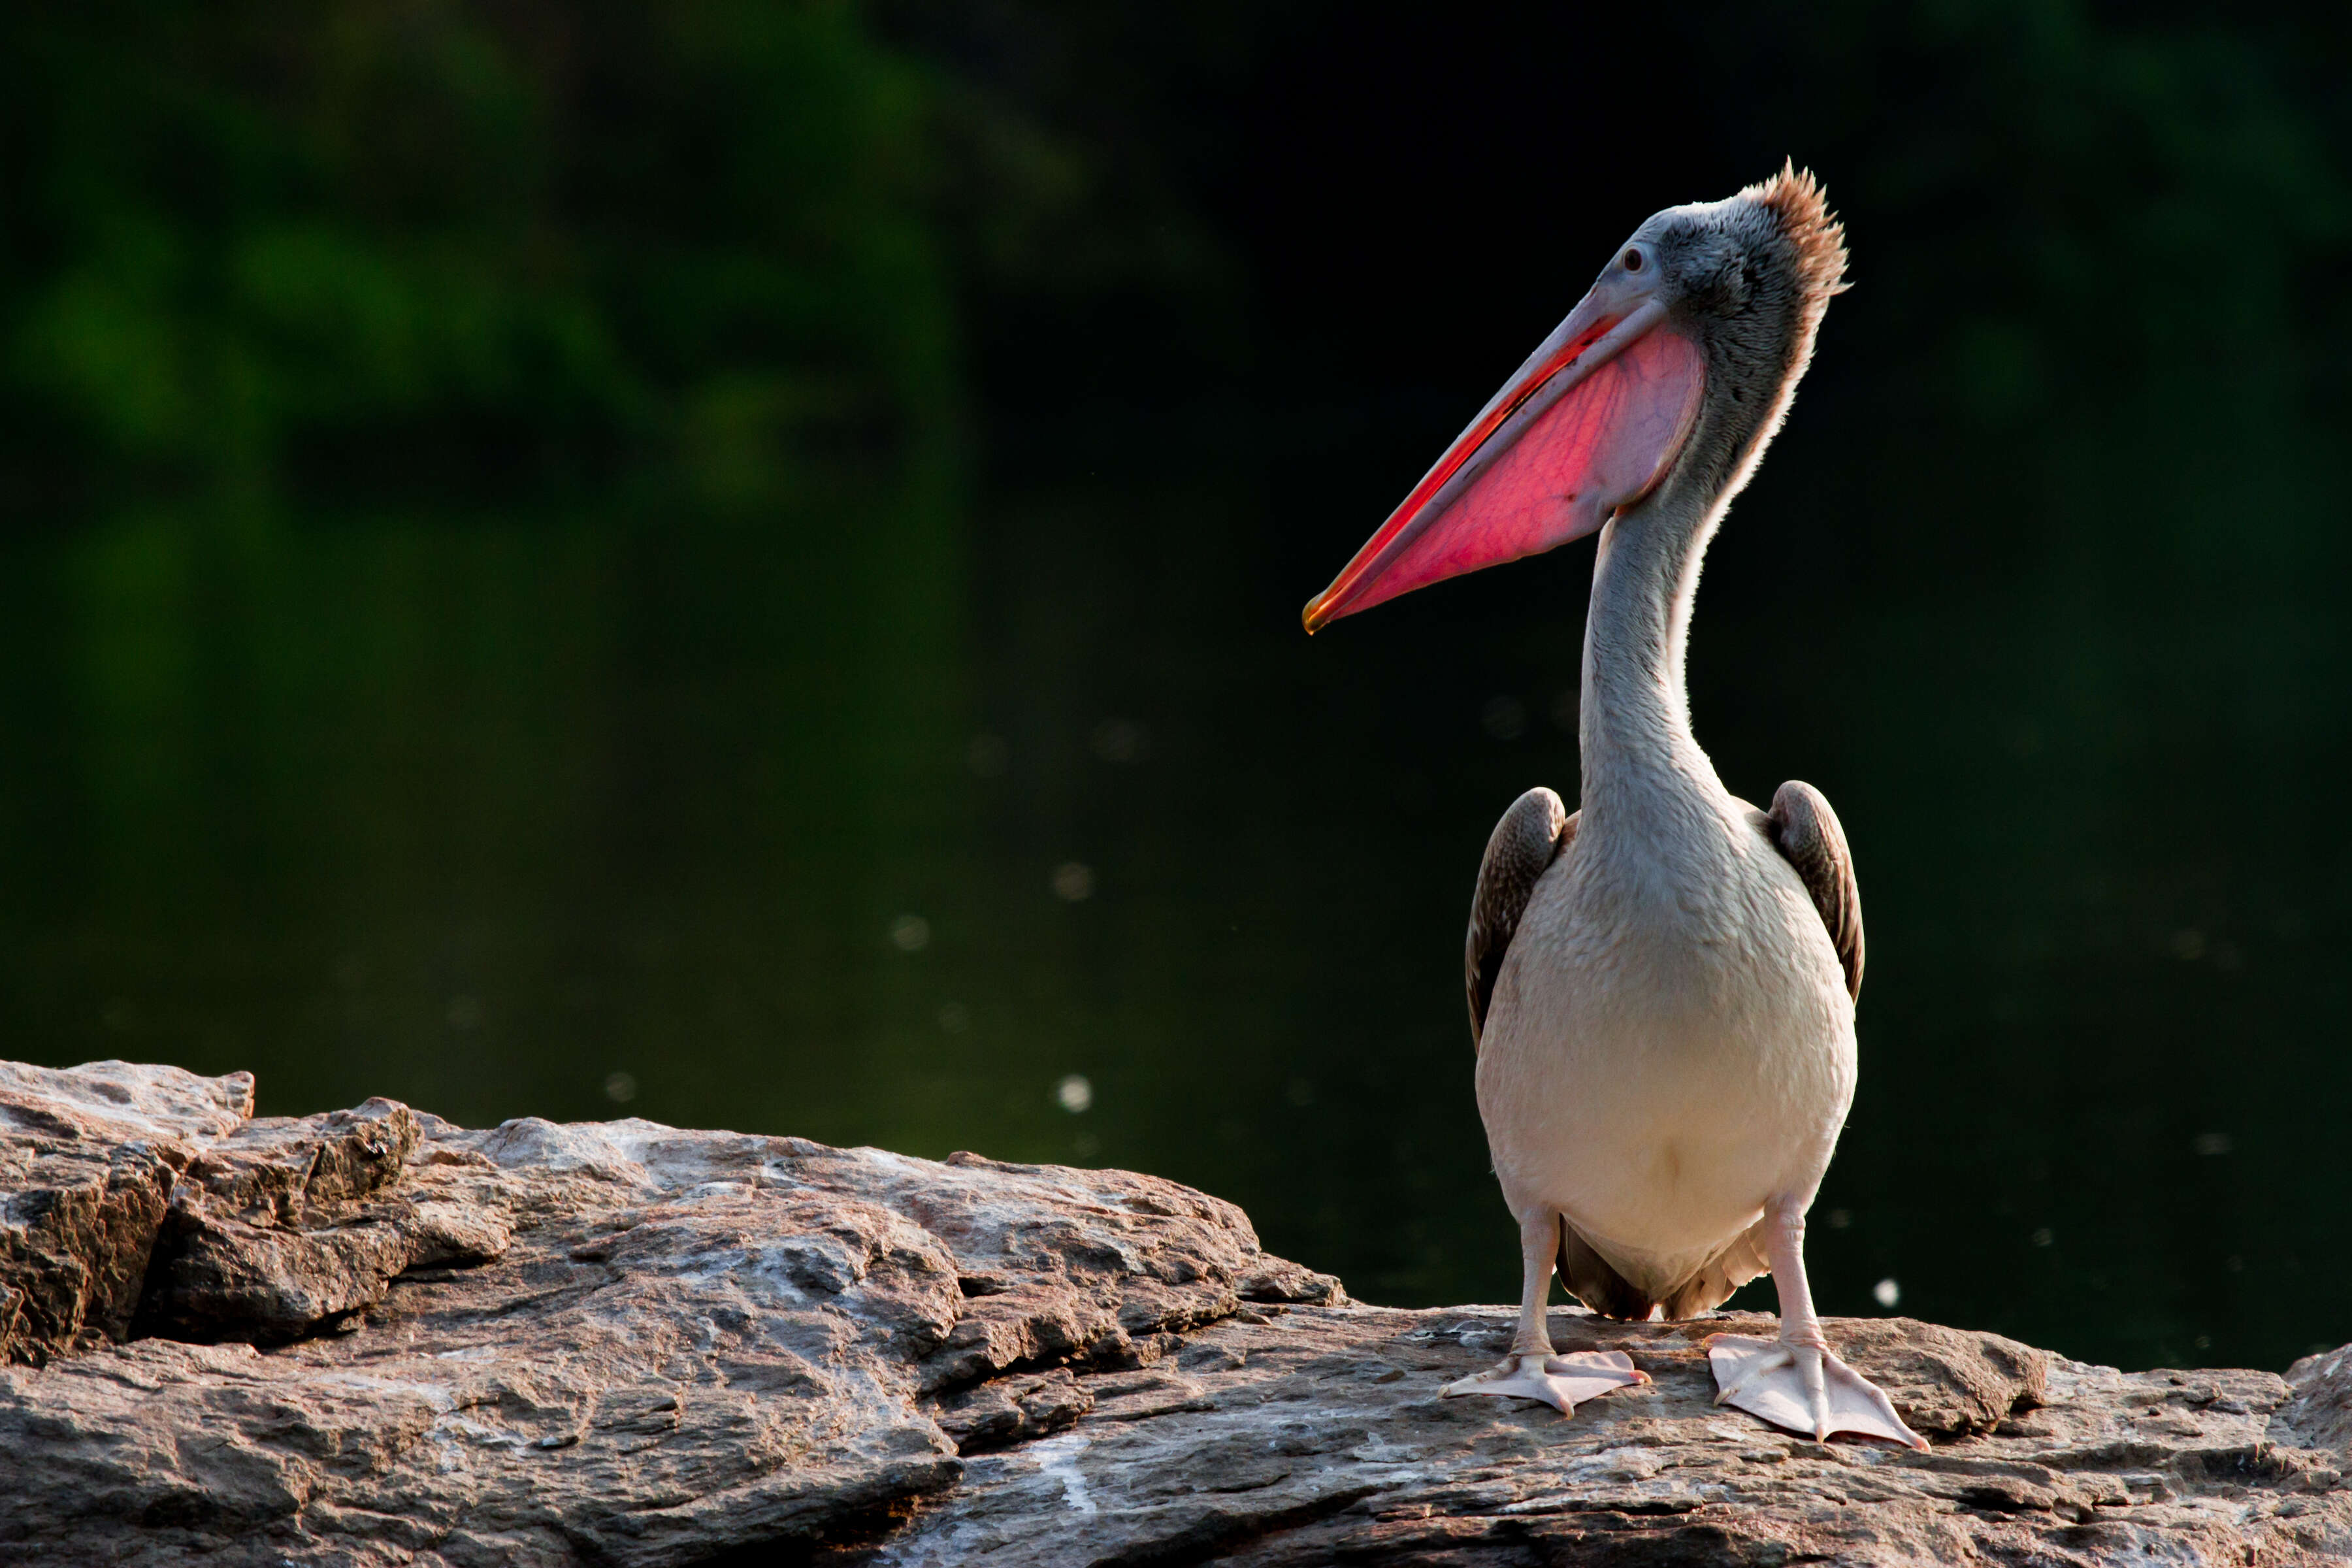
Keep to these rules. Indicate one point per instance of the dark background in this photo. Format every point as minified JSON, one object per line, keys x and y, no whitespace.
{"x":740,"y":564}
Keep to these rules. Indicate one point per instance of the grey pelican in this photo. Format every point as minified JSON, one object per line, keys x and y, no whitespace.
{"x":1662,"y":983}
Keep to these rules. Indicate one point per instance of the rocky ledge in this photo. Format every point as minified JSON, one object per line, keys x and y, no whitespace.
{"x":371,"y":1337}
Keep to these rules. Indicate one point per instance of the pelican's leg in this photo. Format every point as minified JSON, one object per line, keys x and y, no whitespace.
{"x":1531,"y":1371}
{"x":1795,"y":1381}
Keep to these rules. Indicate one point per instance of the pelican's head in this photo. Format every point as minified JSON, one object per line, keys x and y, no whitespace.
{"x":1677,"y":365}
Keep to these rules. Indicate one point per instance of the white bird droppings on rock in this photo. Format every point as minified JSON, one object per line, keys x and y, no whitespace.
{"x":1058,"y":1457}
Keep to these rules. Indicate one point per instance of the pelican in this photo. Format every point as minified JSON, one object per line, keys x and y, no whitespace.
{"x":1662,"y":982}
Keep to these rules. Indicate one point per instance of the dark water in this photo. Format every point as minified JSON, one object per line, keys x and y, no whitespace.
{"x":877,"y":820}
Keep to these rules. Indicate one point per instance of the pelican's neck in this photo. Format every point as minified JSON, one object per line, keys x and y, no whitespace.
{"x":1633,"y":724}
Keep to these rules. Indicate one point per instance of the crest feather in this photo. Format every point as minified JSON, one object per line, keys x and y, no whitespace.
{"x":1813,"y":232}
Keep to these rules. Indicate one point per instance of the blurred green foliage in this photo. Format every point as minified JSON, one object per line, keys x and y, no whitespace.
{"x":373,"y":247}
{"x":2100,"y":254}
{"x":355,"y":246}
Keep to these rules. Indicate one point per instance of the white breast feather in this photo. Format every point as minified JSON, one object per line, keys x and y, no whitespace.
{"x":1670,"y":1047}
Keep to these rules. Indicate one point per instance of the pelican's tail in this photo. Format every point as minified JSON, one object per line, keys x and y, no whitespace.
{"x":1595,"y":1281}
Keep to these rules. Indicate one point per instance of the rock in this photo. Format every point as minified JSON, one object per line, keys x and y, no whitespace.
{"x":270,"y":1233}
{"x":2319,"y":1412}
{"x":371,"y":1337}
{"x":1315,"y":1436}
{"x":87,"y":1161}
{"x":1010,"y":1409}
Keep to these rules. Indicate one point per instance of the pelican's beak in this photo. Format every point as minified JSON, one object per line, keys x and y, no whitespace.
{"x":1590,"y":423}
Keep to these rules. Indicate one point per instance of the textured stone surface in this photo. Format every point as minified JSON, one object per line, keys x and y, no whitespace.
{"x":613,"y":1343}
{"x":375,"y":1338}
{"x":87,"y":1161}
{"x":1315,"y":1436}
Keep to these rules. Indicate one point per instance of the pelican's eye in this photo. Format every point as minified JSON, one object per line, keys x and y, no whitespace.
{"x":1633,"y":260}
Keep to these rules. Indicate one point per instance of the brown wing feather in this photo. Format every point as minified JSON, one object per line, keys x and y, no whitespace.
{"x":1806,"y":831}
{"x":1524,"y":845}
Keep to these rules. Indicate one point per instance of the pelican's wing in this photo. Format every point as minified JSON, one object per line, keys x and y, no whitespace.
{"x":1806,"y":831}
{"x":1526,"y":842}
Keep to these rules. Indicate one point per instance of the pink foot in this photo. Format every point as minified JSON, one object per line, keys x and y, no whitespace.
{"x":1804,"y":1388}
{"x":1559,"y":1380}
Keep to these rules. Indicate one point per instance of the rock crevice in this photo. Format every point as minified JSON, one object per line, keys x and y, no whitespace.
{"x":373,"y":1337}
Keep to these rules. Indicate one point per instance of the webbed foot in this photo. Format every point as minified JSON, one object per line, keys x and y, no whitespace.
{"x":1804,"y":1388}
{"x":1559,"y":1380}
